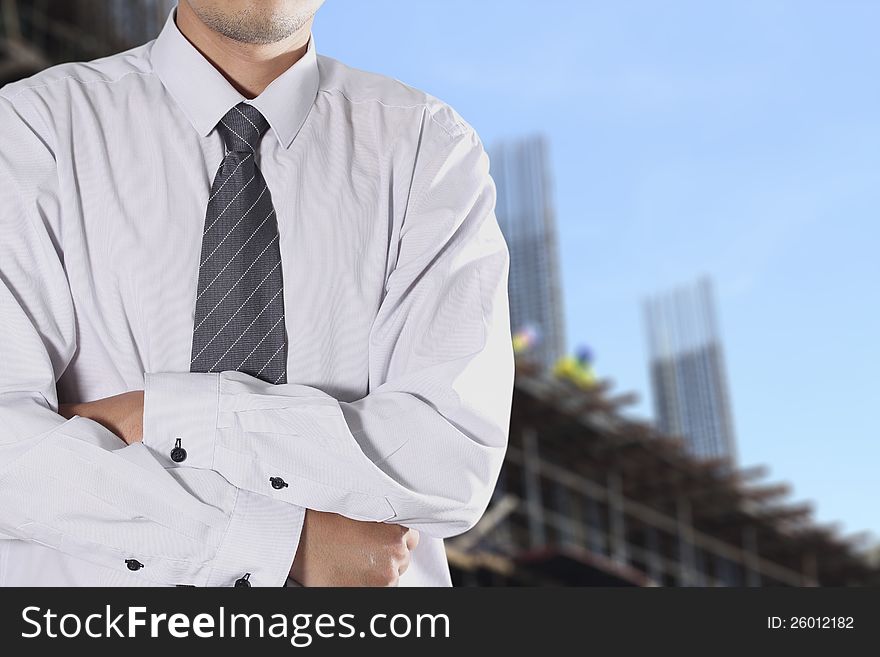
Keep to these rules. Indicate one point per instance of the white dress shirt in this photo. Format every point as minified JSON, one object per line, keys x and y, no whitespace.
{"x":400,"y":364}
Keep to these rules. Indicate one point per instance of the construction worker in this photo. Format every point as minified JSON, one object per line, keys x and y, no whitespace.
{"x":577,"y":368}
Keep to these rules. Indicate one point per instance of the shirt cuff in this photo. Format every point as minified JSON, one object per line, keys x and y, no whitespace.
{"x":260,"y":542}
{"x":181,"y":406}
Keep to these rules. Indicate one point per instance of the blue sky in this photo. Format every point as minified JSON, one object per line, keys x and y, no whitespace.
{"x":736,"y":139}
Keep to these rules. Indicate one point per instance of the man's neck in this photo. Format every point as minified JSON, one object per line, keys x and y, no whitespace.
{"x":249,"y":67}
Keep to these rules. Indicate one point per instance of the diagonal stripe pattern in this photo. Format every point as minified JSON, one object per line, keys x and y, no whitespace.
{"x":239,"y":314}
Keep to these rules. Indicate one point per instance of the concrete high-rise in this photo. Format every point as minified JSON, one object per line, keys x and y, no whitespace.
{"x":526,"y":214}
{"x":688,"y":379}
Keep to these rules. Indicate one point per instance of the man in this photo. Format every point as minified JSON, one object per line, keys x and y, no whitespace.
{"x":253,"y":315}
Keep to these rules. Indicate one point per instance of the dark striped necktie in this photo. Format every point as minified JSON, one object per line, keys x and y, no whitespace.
{"x":239,"y":313}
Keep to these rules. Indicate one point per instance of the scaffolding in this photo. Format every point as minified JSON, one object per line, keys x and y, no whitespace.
{"x":589,"y":497}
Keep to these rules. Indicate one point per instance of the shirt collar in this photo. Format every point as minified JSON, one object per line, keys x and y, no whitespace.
{"x":205,"y":95}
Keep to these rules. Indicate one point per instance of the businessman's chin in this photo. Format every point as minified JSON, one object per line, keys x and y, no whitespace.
{"x":256,"y":23}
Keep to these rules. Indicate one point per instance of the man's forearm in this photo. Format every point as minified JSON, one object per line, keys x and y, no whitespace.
{"x":389,"y":457}
{"x":165,"y":535}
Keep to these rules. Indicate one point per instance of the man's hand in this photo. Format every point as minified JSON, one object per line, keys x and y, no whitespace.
{"x":122,"y":414}
{"x":337,"y":551}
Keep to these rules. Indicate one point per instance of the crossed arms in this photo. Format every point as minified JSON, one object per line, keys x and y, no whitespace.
{"x":422,"y":450}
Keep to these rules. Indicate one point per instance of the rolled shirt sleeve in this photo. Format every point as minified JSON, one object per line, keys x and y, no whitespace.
{"x":425,"y":446}
{"x":72,"y":484}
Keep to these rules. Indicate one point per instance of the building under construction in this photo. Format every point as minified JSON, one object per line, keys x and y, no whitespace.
{"x":589,"y":497}
{"x":691,"y":396}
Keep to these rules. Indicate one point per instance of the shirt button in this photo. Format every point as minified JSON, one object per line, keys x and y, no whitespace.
{"x":178,"y":454}
{"x":133,"y":564}
{"x":277,"y":483}
{"x":243,"y":581}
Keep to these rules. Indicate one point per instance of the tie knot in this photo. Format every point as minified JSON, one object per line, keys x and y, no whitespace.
{"x":242,"y":128}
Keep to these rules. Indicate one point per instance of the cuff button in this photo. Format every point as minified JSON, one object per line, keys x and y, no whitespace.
{"x":277,"y":483}
{"x":133,"y":564}
{"x":178,"y":454}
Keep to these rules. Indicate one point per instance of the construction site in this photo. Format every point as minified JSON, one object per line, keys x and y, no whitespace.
{"x":588,"y":497}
